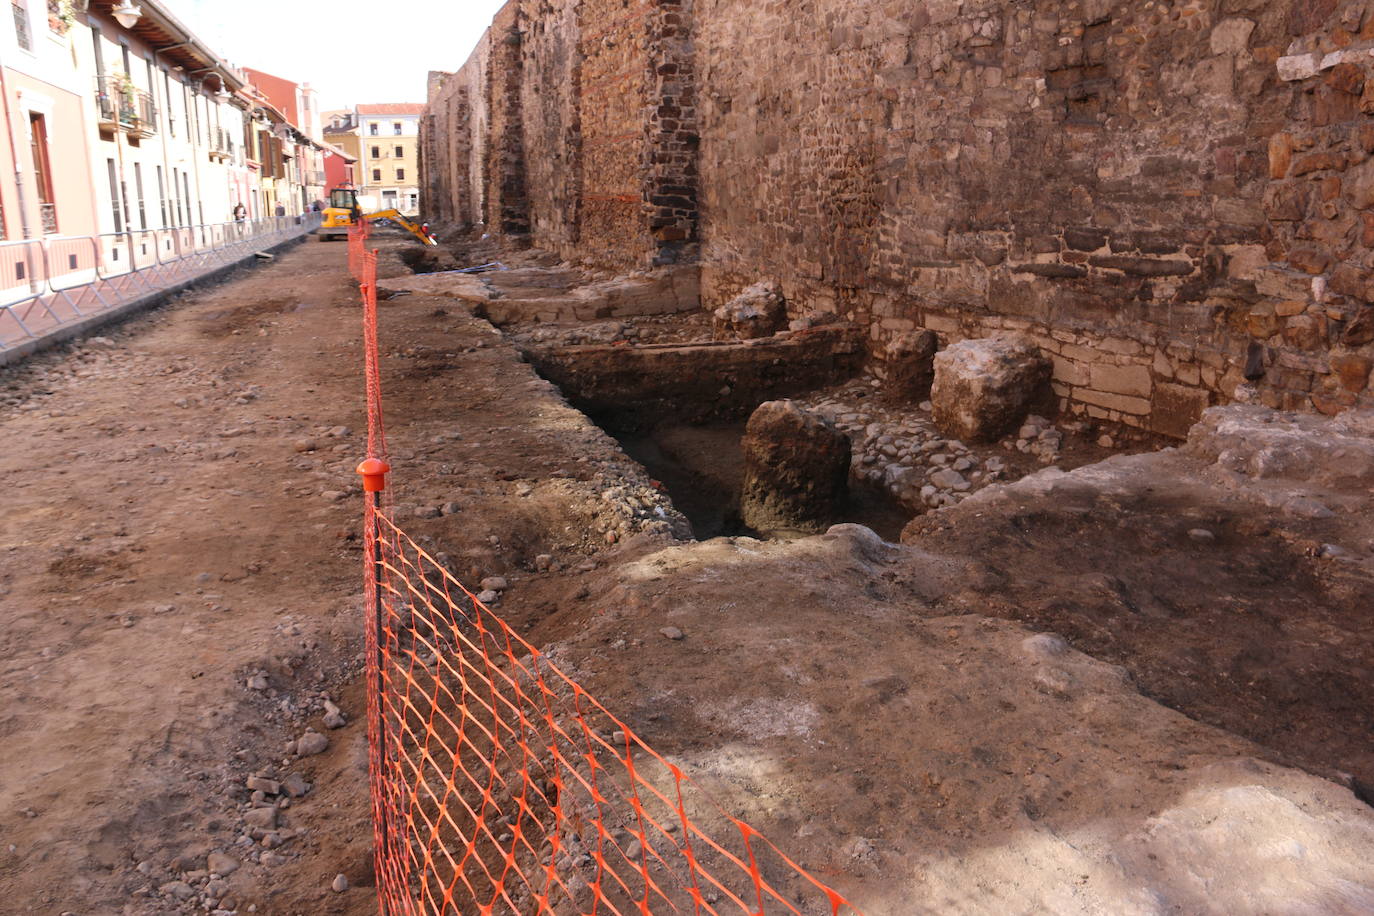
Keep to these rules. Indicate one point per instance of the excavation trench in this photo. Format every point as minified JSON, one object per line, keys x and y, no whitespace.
{"x":680,"y":412}
{"x":702,"y":469}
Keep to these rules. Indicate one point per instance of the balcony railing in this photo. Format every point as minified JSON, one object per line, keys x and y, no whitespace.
{"x":48,"y":215}
{"x":221,"y":144}
{"x":125,"y":106}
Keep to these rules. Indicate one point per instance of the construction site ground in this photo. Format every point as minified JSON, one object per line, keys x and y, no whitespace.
{"x":1139,"y":688}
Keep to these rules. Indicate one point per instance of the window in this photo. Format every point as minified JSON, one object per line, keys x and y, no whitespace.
{"x":376,"y":152}
{"x":152,"y":90}
{"x":99,"y":53}
{"x":176,"y":193}
{"x":400,"y":174}
{"x":162,"y":194}
{"x":186,"y":183}
{"x":42,"y":172}
{"x":376,"y":174}
{"x":114,"y":196}
{"x":396,"y":128}
{"x":138,"y":189}
{"x":372,"y":128}
{"x":22,"y":33}
{"x":400,"y":152}
{"x":167,"y":94}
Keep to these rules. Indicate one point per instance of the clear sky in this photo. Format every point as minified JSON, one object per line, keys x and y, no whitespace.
{"x":350,"y":50}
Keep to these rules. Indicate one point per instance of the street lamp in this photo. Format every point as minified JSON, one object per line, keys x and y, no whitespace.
{"x":127,"y":13}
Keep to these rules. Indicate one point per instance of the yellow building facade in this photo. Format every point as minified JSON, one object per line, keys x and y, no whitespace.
{"x":385,"y":138}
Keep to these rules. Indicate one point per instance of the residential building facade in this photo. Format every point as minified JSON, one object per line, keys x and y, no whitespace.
{"x":388,"y":156}
{"x":116,"y":129}
{"x":338,"y":167}
{"x":45,"y":148}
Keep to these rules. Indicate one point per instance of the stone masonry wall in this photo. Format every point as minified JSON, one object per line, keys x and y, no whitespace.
{"x":1174,"y":198}
{"x":552,"y":66}
{"x":454,"y":141}
{"x":507,"y":209}
{"x":587,"y":137}
{"x":614,"y":96}
{"x":672,"y":136}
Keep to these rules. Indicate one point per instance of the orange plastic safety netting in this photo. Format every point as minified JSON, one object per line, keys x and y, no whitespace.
{"x":362,"y":263}
{"x":500,"y":786}
{"x":358,"y":234}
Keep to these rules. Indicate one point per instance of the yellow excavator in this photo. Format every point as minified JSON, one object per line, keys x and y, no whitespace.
{"x":343,"y":211}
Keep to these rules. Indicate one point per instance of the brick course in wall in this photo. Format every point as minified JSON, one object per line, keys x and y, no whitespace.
{"x":1169,"y":197}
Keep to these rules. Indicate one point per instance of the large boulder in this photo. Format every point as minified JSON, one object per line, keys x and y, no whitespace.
{"x":909,"y":359}
{"x":984,"y":388}
{"x":796,"y":470}
{"x":759,"y":311}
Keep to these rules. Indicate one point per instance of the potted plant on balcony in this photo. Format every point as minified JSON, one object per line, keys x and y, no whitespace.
{"x":61,"y":16}
{"x":126,"y":95}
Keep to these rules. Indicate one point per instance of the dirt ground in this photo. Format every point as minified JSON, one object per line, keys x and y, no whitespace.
{"x":183,"y":516}
{"x":181,"y":589}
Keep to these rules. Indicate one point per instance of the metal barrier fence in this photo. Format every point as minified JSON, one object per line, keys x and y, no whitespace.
{"x":499,"y":785}
{"x":48,"y":284}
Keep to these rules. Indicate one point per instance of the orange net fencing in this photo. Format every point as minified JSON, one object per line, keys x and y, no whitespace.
{"x":358,"y":234}
{"x":500,"y":786}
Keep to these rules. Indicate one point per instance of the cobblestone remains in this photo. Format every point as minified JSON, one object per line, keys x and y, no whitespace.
{"x":1172,"y":200}
{"x":898,"y":450}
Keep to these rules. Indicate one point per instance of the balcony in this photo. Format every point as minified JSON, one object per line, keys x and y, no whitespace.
{"x":61,"y":16}
{"x":123,"y":106}
{"x":221,"y":145}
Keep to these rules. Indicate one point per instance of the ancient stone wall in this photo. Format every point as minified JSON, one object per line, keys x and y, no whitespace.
{"x":694,"y":383}
{"x":1172,"y":198}
{"x":672,"y":132}
{"x":507,"y":208}
{"x":454,"y":141}
{"x":552,"y":63}
{"x":614,"y":95}
{"x":582,"y":126}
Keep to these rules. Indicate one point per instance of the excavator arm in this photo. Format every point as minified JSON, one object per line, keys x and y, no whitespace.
{"x":418,"y":230}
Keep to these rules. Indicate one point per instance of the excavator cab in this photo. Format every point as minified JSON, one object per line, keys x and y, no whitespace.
{"x":344,"y":198}
{"x":343,"y":211}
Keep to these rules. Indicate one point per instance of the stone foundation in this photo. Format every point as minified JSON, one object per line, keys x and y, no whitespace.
{"x":698,"y":382}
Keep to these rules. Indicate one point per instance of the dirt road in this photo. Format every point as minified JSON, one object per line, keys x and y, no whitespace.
{"x":181,"y":580}
{"x":164,"y":541}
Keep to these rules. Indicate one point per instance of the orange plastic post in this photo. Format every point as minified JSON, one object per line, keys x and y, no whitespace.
{"x":374,"y":471}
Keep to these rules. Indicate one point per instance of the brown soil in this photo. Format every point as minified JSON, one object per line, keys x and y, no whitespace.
{"x":1251,"y":630}
{"x":181,"y":517}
